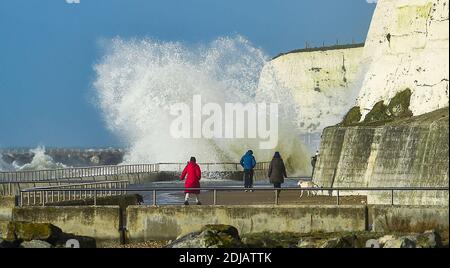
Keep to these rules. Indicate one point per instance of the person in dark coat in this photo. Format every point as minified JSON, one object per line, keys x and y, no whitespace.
{"x":313,"y":162}
{"x":277,"y":171}
{"x":248,"y":162}
{"x":193,"y":172}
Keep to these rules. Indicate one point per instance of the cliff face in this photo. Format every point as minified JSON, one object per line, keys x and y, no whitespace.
{"x":407,"y":152}
{"x":406,"y":60}
{"x":318,"y":86}
{"x":407,"y":47}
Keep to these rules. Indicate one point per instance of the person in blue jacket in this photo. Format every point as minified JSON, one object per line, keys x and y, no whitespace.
{"x":248,"y":162}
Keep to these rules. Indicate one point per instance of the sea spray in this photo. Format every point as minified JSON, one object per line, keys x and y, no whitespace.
{"x":138,"y":81}
{"x":40,"y":161}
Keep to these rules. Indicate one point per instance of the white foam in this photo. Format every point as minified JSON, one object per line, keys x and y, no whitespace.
{"x":138,"y":80}
{"x":40,"y":161}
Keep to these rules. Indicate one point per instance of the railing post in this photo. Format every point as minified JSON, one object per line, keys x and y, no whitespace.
{"x":95,"y":197}
{"x":392,"y":197}
{"x":154,"y":197}
{"x":337,"y":199}
{"x":215,"y":197}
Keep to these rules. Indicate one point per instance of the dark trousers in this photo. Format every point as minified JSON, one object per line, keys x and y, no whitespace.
{"x":248,"y":178}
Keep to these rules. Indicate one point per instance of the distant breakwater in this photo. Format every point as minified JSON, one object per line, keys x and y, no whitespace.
{"x":68,"y":157}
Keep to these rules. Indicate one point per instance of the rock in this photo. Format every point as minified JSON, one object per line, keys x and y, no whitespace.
{"x":429,"y":239}
{"x":35,"y":244}
{"x":347,"y":241}
{"x":71,"y":240}
{"x":210,"y":236}
{"x":5,"y":244}
{"x":308,"y":242}
{"x":382,"y":240}
{"x":271,"y":240}
{"x":372,"y":243}
{"x":15,"y":234}
{"x":27,"y":231}
{"x":401,"y":242}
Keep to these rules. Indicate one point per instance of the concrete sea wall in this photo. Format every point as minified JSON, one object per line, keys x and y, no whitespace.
{"x":413,"y":219}
{"x":407,"y":152}
{"x":100,"y":222}
{"x":112,"y":225}
{"x":164,"y":223}
{"x":7,"y":204}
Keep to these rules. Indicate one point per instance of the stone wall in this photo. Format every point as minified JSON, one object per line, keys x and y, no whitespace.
{"x":407,"y":152}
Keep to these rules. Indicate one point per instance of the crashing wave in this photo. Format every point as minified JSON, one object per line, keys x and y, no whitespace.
{"x":40,"y":161}
{"x":138,"y":80}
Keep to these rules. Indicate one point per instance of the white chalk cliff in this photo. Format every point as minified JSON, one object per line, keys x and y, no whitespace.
{"x":320,"y":81}
{"x":407,"y":47}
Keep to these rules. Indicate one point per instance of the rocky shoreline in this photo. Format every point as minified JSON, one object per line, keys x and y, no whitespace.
{"x":225,"y":236}
{"x":44,"y":235}
{"x":16,"y":234}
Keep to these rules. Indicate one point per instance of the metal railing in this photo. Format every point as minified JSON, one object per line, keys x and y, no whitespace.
{"x":13,"y":188}
{"x":83,"y":172}
{"x":94,"y":192}
{"x":70,"y":192}
{"x":76,"y":172}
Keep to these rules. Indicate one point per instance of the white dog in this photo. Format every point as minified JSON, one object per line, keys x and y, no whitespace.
{"x":308,"y":184}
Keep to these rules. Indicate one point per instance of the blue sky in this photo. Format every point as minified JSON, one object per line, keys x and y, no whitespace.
{"x":48,"y":48}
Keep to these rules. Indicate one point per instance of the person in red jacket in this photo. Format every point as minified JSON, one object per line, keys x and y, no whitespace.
{"x":193,"y":172}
